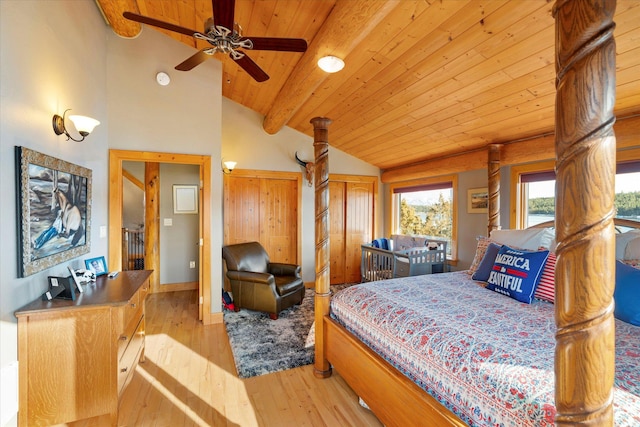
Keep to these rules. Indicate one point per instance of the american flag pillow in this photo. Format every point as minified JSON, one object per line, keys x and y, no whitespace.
{"x":546,"y":290}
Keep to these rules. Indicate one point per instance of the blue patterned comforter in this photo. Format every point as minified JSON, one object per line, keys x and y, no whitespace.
{"x":485,"y":356}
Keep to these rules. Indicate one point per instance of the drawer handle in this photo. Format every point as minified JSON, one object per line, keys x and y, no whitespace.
{"x":123,"y":337}
{"x":123,"y":370}
{"x":133,"y":305}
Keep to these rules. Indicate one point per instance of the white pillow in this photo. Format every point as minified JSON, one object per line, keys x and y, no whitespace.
{"x":632,"y":250}
{"x":531,"y":239}
{"x":622,"y":239}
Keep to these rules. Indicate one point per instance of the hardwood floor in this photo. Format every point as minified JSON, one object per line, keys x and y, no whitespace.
{"x":189,"y":379}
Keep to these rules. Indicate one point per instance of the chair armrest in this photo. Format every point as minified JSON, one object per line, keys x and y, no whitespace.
{"x":249,"y":276}
{"x":282,"y":269}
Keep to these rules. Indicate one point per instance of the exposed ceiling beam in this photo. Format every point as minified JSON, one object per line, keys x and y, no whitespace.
{"x":348,"y":24}
{"x":112,"y":11}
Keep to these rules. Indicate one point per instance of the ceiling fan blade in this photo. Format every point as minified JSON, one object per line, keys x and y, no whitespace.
{"x":223,"y":13}
{"x":252,"y":68}
{"x":160,"y":24}
{"x":194,"y":60}
{"x":278,"y":43}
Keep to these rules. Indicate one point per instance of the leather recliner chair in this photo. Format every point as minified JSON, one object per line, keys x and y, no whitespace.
{"x":257,"y":284}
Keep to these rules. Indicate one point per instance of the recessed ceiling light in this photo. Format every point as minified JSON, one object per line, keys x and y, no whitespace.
{"x":331,"y":64}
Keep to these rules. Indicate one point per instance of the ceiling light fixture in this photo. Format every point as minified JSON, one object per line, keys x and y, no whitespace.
{"x":83,"y":124}
{"x":331,"y":64}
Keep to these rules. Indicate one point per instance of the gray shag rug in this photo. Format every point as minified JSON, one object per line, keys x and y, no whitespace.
{"x":262,"y":346}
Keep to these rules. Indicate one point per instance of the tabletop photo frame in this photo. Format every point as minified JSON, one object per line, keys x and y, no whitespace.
{"x":97,"y":266}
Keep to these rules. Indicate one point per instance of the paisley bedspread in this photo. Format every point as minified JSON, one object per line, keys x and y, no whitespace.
{"x":486,"y":357}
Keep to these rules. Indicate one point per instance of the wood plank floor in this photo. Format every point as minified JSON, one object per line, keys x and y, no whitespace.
{"x":189,"y":379}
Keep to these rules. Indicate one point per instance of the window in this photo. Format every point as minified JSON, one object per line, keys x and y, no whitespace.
{"x":426,"y":208}
{"x":534,"y":189}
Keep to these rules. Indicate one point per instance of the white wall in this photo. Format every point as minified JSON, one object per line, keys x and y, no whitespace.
{"x":52,"y":57}
{"x":245,"y":141}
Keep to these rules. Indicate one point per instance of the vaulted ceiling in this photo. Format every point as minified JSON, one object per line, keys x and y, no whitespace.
{"x":423,"y":79}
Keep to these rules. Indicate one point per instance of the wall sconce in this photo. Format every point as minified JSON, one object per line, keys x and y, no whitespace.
{"x":227,"y":167}
{"x":331,"y":64}
{"x":83,"y":124}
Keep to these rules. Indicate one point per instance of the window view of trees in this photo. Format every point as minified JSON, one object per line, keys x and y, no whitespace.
{"x":427,"y":219}
{"x":627,"y":205}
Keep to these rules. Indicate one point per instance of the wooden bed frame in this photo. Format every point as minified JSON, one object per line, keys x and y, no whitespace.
{"x":585,"y":171}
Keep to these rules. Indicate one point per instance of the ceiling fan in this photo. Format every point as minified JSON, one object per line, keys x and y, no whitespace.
{"x":225,"y":36}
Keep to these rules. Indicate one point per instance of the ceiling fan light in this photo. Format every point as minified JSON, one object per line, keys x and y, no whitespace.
{"x":331,"y":64}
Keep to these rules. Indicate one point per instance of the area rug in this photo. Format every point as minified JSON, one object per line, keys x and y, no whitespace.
{"x":262,"y":346}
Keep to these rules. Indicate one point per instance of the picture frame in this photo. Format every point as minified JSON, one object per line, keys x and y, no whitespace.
{"x":185,"y":199}
{"x":97,"y":266}
{"x":478,"y":200}
{"x":61,"y":287}
{"x":53,"y":210}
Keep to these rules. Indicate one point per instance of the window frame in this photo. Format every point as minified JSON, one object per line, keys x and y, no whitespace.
{"x":394,"y":207}
{"x":517,"y":199}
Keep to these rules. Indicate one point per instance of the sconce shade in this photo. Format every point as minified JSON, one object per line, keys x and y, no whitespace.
{"x":84,"y":125}
{"x":228,"y":166}
{"x":331,"y":64}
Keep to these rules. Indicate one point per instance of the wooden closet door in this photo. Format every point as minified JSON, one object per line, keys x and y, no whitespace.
{"x":263,"y":209}
{"x":337,"y":231}
{"x":279,"y":219}
{"x":359,"y":226}
{"x":241,"y":209}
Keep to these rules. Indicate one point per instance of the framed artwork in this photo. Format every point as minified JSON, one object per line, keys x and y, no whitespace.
{"x":477,"y":200}
{"x":54,"y":211}
{"x":97,"y":266}
{"x":185,"y":199}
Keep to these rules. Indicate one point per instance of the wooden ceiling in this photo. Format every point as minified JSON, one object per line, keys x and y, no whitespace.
{"x":423,"y":79}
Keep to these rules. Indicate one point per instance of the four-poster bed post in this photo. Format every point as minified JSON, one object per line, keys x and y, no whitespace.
{"x":585,"y":175}
{"x":322,"y":285}
{"x":585,"y":169}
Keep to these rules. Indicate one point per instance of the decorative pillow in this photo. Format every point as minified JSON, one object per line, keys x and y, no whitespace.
{"x":486,"y":265}
{"x":621,"y":242}
{"x":530,"y":239}
{"x":546,"y":289}
{"x":627,"y":294}
{"x":632,"y":251}
{"x":516,"y":273}
{"x":635,"y":263}
{"x":382,"y":243}
{"x":481,"y":248}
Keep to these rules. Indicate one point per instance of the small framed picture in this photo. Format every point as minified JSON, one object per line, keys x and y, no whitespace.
{"x":97,"y":266}
{"x":185,"y":199}
{"x":477,"y":200}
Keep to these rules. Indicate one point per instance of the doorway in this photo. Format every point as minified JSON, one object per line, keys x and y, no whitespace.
{"x":116,"y":159}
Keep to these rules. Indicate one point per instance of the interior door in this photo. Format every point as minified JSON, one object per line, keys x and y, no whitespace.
{"x":337,"y":232}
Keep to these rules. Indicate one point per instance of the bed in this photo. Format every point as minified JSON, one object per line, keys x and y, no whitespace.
{"x":584,"y":359}
{"x":484,"y":356}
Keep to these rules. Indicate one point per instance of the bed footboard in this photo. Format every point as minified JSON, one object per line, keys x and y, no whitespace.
{"x":392,"y":397}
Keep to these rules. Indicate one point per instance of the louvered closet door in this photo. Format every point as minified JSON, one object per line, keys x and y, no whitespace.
{"x":263,"y":209}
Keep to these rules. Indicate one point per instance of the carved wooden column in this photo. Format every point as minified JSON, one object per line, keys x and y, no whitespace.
{"x":585,"y":167}
{"x":493,"y":166}
{"x":323,"y":291}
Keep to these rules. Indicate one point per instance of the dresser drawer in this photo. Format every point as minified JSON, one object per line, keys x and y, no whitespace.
{"x":129,"y":332}
{"x":130,"y":356}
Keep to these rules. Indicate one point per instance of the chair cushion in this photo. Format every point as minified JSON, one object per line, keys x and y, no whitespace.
{"x":249,"y":256}
{"x":287,"y":284}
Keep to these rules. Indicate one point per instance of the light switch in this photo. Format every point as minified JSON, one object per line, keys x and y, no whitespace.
{"x":168,"y":222}
{"x":103,"y":231}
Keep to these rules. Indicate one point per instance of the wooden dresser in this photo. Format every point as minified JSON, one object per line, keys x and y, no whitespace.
{"x":76,"y":357}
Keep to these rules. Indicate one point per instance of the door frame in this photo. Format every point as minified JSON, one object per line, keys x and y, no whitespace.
{"x":116,"y":157}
